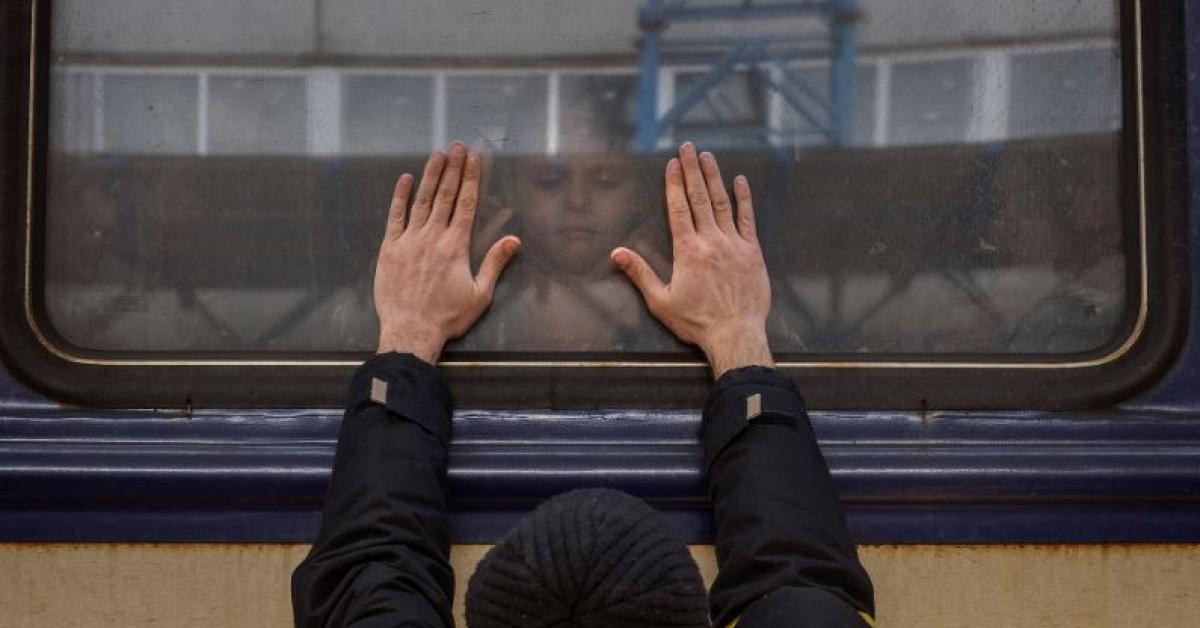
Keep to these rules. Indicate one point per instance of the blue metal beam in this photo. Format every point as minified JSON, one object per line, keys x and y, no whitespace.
{"x":838,"y":45}
{"x":648,"y":128}
{"x":842,"y":70}
{"x":696,"y":91}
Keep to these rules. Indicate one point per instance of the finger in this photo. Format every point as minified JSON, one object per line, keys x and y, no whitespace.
{"x":722,"y":208}
{"x":745,"y":209}
{"x":494,"y":262}
{"x":467,"y":204}
{"x":490,"y":231}
{"x":399,"y":207}
{"x":641,"y":275}
{"x":448,"y":188}
{"x":481,"y":147}
{"x":426,"y":189}
{"x":697,"y":193}
{"x":679,"y":213}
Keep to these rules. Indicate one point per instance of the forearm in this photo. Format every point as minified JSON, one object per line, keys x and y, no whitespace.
{"x":779,"y":521}
{"x":383,"y":548}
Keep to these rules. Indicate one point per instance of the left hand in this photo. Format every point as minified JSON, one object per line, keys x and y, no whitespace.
{"x":425,"y":293}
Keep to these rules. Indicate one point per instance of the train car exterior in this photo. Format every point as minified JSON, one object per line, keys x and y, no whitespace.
{"x":195,"y":439}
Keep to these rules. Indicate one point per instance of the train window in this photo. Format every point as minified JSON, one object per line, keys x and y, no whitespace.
{"x":802,"y":121}
{"x":73,"y":126}
{"x":941,"y":192}
{"x":387,"y":115}
{"x":256,"y":115}
{"x":1083,"y":85}
{"x":931,"y":102}
{"x":480,"y":109}
{"x":149,"y":114}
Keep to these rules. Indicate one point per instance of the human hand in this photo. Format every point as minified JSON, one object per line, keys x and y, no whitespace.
{"x":425,"y":293}
{"x":719,"y":294}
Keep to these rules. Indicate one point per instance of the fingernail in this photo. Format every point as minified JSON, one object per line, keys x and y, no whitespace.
{"x":706,"y":155}
{"x":686,"y":145}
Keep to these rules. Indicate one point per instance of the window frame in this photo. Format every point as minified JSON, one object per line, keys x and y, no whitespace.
{"x":1153,"y":126}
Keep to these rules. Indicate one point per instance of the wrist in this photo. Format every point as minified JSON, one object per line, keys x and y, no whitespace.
{"x":735,"y":348}
{"x":424,"y":344}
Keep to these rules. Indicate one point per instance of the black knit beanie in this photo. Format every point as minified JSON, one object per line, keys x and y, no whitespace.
{"x":595,"y":558}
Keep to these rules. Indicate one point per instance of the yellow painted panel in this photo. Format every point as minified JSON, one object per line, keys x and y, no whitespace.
{"x":928,"y":586}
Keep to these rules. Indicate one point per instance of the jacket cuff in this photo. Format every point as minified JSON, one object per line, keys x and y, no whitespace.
{"x":409,"y":388}
{"x":751,"y":393}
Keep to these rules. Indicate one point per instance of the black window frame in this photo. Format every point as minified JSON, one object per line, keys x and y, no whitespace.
{"x":1154,"y":132}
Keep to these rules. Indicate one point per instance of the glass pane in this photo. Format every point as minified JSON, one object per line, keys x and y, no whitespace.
{"x":931,"y":102}
{"x":149,"y":114}
{"x":1061,"y":93}
{"x":731,"y":113}
{"x":73,"y":112}
{"x":506,"y":113}
{"x":932,"y":183}
{"x":255,"y":115}
{"x":385,"y":115}
{"x":806,"y":120}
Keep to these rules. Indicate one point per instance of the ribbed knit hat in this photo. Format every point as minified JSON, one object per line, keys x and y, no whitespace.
{"x":594,"y":558}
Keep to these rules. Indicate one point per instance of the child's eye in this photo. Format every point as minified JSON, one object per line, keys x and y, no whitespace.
{"x":548,"y":178}
{"x":608,"y":177}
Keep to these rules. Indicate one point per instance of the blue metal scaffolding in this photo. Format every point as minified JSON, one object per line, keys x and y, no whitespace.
{"x":768,"y":57}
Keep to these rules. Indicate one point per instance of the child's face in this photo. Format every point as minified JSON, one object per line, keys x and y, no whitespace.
{"x":575,"y":209}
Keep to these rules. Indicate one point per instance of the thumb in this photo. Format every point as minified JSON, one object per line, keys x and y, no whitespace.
{"x":494,"y":262}
{"x":640,"y":273}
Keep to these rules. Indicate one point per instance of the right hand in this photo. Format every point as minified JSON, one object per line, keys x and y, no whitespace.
{"x":719,"y":295}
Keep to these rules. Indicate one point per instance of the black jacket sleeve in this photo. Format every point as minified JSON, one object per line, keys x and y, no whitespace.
{"x":381,"y":557}
{"x":781,"y":535}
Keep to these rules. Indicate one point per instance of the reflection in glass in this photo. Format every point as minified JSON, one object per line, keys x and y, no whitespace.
{"x":149,"y":114}
{"x":930,"y":102}
{"x":483,"y":109}
{"x":731,"y":114}
{"x":205,"y":197}
{"x":256,"y":115}
{"x":384,"y":115}
{"x":73,"y":112}
{"x":802,"y":127}
{"x":1063,"y":93}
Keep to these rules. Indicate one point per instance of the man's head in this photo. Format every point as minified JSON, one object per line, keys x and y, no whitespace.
{"x":589,"y":558}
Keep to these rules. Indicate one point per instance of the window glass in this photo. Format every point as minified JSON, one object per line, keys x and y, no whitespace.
{"x":1065,"y":92}
{"x":73,"y":114}
{"x":732,"y":113}
{"x":931,"y":185}
{"x":613,"y":94}
{"x":385,"y":115}
{"x":506,"y":113}
{"x":931,"y":102}
{"x":257,"y":115}
{"x":806,"y":118}
{"x":149,"y":114}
